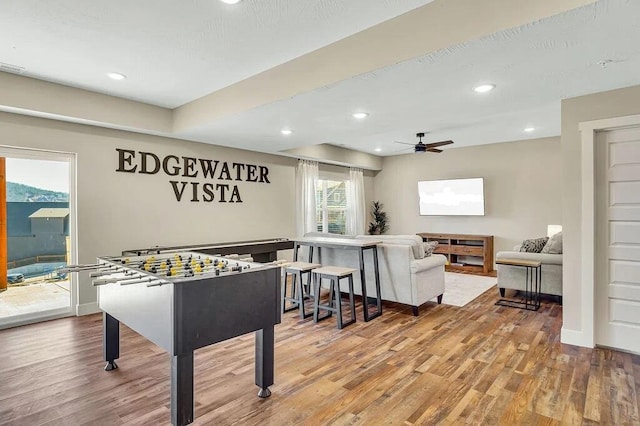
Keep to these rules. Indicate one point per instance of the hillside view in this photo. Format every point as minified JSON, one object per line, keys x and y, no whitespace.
{"x":17,"y":192}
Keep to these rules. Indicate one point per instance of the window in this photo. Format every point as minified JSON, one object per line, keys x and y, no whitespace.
{"x":331,"y":206}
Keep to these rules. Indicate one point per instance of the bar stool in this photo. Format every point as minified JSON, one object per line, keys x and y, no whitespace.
{"x":334,"y":274}
{"x":298,"y":293}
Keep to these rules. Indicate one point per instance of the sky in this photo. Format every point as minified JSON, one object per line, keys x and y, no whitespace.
{"x":51,"y":175}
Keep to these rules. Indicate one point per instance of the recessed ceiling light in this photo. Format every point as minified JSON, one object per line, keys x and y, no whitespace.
{"x":230,"y":1}
{"x":484,"y":88}
{"x":116,"y":76}
{"x":529,"y":129}
{"x":378,"y":149}
{"x":286,"y":132}
{"x":360,"y":115}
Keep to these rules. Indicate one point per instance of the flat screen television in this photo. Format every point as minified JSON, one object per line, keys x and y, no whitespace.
{"x":457,"y":197}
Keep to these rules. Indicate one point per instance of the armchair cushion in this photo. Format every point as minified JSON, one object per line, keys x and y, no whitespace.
{"x":554,"y":245}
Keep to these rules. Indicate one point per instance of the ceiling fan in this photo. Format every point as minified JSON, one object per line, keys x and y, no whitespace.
{"x":426,"y":147}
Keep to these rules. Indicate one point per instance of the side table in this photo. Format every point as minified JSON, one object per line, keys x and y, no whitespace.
{"x":532,"y":285}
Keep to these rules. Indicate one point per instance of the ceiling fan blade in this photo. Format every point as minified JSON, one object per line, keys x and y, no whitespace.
{"x":435,"y":144}
{"x":403,"y":150}
{"x":434,"y":150}
{"x":404,"y":143}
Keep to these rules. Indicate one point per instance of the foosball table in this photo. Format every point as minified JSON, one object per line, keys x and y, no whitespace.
{"x":184,"y":301}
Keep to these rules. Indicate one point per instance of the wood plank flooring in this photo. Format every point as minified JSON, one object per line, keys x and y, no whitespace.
{"x":480,"y":364}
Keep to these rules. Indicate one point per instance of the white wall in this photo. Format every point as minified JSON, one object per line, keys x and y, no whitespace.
{"x":522,"y":183}
{"x":614,"y":103}
{"x":119,"y":211}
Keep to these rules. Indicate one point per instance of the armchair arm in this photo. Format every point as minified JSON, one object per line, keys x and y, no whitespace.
{"x":427,"y":263}
{"x":544,"y":258}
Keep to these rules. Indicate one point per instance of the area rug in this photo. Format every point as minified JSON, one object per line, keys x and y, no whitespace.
{"x":460,"y":289}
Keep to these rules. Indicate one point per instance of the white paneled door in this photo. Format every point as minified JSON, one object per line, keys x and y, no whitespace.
{"x":617,"y":239}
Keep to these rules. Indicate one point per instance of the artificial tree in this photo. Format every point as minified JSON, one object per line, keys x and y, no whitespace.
{"x":380,"y":223}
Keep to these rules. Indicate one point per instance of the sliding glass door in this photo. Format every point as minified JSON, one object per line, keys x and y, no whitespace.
{"x":37,"y":239}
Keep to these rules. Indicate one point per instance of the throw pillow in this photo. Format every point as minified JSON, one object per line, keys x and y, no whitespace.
{"x":554,"y":245}
{"x":534,"y":245}
{"x":429,"y":247}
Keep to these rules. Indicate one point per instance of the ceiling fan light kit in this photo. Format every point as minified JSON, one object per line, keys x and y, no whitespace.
{"x":484,"y":88}
{"x":426,"y":147}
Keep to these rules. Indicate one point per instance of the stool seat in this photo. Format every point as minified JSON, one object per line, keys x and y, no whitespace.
{"x":336,"y":271}
{"x":302,"y":266}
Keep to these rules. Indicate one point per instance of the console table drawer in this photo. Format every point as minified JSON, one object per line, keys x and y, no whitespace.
{"x":467,"y":250}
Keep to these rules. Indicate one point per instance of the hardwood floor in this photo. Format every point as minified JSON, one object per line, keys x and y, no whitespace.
{"x":481,"y":364}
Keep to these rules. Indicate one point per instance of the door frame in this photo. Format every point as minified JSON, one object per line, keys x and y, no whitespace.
{"x":589,"y":129}
{"x":70,"y":158}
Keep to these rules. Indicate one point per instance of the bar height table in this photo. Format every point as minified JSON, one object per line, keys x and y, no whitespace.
{"x":532,"y":285}
{"x":348,"y":244}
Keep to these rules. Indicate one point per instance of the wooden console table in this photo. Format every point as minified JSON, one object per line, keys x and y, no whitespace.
{"x":465,"y":252}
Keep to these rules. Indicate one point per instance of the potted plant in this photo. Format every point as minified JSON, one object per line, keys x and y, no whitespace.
{"x":380,"y":223}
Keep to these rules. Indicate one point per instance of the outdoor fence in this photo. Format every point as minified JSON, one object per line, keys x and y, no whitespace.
{"x":36,"y":259}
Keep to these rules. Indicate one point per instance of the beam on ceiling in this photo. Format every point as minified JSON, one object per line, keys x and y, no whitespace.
{"x":437,"y":25}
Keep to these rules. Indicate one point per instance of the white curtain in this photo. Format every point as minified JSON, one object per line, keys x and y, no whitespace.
{"x":356,"y":214}
{"x":306,"y":179}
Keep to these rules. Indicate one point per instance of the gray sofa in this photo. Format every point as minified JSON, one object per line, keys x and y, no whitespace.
{"x":513,"y":277}
{"x":406,"y":275}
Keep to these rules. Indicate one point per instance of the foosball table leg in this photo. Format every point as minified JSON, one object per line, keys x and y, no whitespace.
{"x":182,"y":401}
{"x":264,"y":360}
{"x":110,"y":341}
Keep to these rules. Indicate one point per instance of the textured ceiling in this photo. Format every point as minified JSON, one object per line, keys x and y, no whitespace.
{"x":175,"y":52}
{"x":533,"y":66}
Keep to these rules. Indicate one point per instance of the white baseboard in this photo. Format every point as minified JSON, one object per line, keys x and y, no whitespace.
{"x":576,"y":338}
{"x":87,"y":308}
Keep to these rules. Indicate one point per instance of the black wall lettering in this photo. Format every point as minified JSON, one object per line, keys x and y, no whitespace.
{"x":239,"y":168}
{"x":151,"y":164}
{"x":205,"y":165}
{"x":144,"y":165}
{"x":189,"y":166}
{"x":125,"y":157}
{"x":263,"y":174}
{"x":222,"y":188}
{"x":207,"y":188}
{"x":225,"y":172}
{"x":194,"y":187}
{"x":251,"y":173}
{"x":165,"y":165}
{"x":235,"y":195}
{"x":174,"y":184}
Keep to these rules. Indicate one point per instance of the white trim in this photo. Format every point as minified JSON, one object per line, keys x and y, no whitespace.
{"x":610,"y":123}
{"x":87,"y":309}
{"x":573,"y":337}
{"x":586,"y":336}
{"x":73,"y":226}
